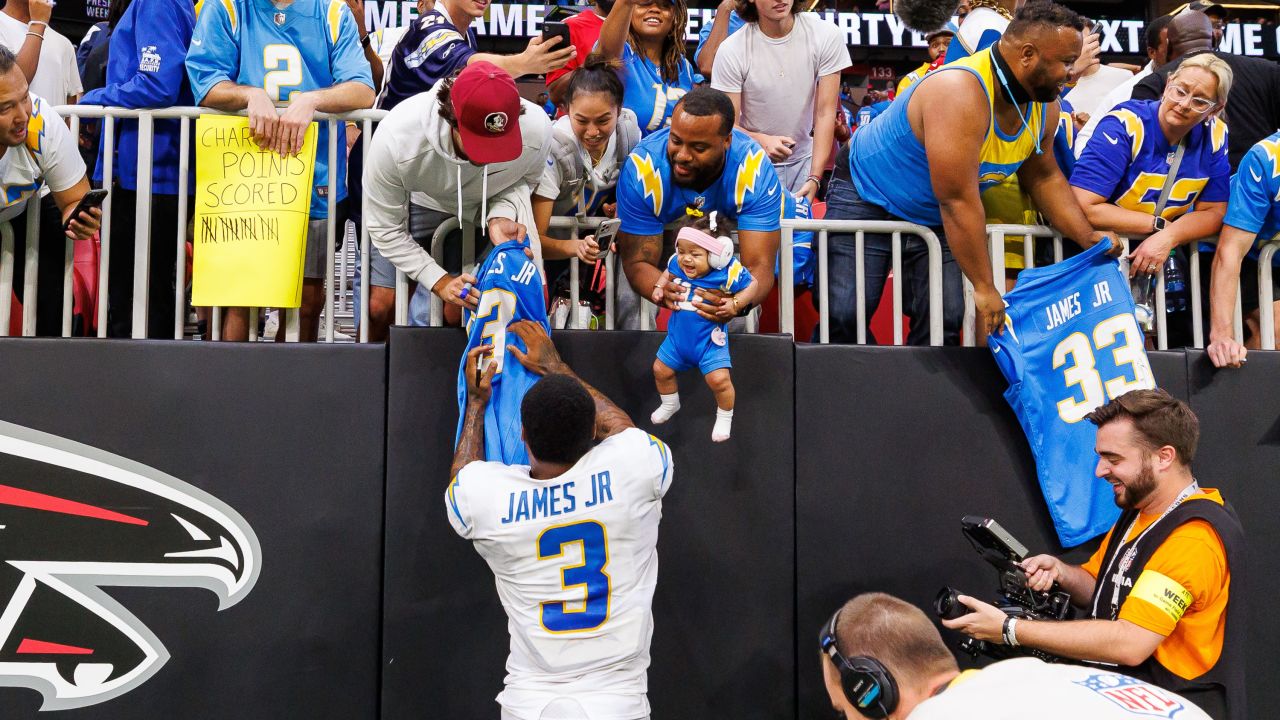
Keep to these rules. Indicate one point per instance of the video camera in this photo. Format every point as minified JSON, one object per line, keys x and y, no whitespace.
{"x":995,"y":545}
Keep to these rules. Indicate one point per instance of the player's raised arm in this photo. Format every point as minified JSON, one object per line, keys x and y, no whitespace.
{"x":542,"y":359}
{"x":479,"y":385}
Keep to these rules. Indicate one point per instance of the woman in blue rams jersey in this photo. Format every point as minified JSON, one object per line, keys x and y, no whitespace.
{"x":1120,"y":175}
{"x":648,"y":37}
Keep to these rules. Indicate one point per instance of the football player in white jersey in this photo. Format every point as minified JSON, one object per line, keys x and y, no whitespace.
{"x":571,"y":539}
{"x":886,"y":659}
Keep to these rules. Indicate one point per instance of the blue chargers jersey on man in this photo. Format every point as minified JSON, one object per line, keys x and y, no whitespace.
{"x":510,"y":289}
{"x":1071,"y":344}
{"x":1064,"y":140}
{"x":431,"y":49}
{"x":867,"y":113}
{"x":804,"y":262}
{"x":1255,"y":192}
{"x":1128,"y":158}
{"x":747,"y":190}
{"x":314,"y":47}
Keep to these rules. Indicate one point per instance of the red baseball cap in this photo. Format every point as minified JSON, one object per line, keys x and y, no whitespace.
{"x":487,"y":105}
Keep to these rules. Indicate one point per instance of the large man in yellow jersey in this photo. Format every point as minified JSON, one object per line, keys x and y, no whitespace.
{"x":1160,"y":592}
{"x":961,"y":129}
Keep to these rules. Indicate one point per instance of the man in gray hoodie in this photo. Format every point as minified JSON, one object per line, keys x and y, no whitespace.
{"x":474,"y":150}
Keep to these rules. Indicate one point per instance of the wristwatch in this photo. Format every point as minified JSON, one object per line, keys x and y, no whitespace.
{"x":1158,"y":223}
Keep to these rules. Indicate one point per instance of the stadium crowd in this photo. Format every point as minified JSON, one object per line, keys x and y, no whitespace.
{"x":1166,"y":173}
{"x":699,"y":158}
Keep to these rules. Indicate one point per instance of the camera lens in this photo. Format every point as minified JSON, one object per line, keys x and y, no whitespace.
{"x":947,"y":606}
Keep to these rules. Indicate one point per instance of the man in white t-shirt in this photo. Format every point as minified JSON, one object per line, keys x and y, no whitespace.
{"x":46,"y":56}
{"x":1157,"y":41}
{"x":885,"y":658}
{"x":38,"y":150}
{"x":782,"y":71}
{"x":571,"y":538}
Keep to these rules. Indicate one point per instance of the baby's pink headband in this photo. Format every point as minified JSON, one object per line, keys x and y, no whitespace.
{"x":710,"y":243}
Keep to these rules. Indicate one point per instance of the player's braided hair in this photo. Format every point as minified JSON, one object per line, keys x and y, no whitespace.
{"x":673,"y":45}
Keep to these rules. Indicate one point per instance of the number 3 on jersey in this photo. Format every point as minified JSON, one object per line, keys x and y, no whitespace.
{"x":593,"y":611}
{"x":497,"y":307}
{"x":1083,"y":371}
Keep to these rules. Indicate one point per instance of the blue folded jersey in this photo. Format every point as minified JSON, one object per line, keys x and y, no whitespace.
{"x":1070,"y":345}
{"x":510,"y":289}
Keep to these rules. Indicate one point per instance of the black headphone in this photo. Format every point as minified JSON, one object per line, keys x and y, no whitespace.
{"x":867,"y":684}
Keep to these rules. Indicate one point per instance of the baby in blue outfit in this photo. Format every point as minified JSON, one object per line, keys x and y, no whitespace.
{"x":703,"y":259}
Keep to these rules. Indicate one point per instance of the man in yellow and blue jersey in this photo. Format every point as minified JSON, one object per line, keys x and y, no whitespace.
{"x":305,"y":56}
{"x":701,"y":162}
{"x":1252,"y":220}
{"x":963,"y":128}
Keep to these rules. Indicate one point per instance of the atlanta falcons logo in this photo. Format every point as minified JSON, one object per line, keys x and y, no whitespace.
{"x":75,"y":519}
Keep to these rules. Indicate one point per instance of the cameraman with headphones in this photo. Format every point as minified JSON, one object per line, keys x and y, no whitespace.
{"x":885,"y":659}
{"x":1159,"y":591}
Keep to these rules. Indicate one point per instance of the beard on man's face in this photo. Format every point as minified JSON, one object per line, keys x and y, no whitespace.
{"x":1134,"y":492}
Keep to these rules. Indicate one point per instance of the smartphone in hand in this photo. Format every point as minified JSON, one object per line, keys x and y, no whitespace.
{"x":91,"y":199}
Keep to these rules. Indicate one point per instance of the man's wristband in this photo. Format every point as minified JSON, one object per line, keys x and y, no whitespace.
{"x":36,"y":22}
{"x":1009,"y":632}
{"x":816,"y":180}
{"x":364,"y":41}
{"x":35,"y":34}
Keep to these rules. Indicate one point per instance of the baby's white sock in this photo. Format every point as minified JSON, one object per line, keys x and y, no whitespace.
{"x":724,"y":421}
{"x":670,"y":405}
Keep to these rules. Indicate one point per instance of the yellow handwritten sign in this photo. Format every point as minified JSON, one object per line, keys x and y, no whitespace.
{"x":252,"y":208}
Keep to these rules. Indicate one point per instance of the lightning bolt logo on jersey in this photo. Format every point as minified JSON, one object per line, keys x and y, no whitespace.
{"x":1127,"y":161}
{"x":747,"y":190}
{"x":576,"y":563}
{"x":510,"y":290}
{"x":1071,"y":345}
{"x":316,"y":47}
{"x":1255,"y":192}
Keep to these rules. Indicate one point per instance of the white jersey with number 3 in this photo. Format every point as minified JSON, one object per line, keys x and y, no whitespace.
{"x":575,"y":559}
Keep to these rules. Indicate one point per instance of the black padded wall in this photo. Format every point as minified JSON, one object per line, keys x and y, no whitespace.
{"x":894,"y":446}
{"x":289,"y":437}
{"x":723,"y":612}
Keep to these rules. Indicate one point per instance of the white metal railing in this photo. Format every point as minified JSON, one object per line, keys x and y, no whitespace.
{"x":142,"y":242}
{"x":859,"y":228}
{"x":997,"y":236}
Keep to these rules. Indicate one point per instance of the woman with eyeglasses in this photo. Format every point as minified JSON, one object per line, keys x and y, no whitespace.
{"x":1122,"y":174}
{"x":647,"y":36}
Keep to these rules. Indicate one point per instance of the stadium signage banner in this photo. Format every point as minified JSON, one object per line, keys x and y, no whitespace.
{"x":860,"y":29}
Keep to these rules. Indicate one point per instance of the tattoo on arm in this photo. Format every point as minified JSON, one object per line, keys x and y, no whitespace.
{"x":610,"y":419}
{"x":641,"y":260}
{"x":471,"y":445}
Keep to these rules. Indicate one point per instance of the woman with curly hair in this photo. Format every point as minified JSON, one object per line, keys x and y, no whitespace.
{"x":648,"y":37}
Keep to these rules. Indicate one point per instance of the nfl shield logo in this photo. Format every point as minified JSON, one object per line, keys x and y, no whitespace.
{"x":1135,"y":696}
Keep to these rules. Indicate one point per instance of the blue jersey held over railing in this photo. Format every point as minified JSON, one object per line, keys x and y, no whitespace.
{"x":1070,"y":345}
{"x":510,"y":290}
